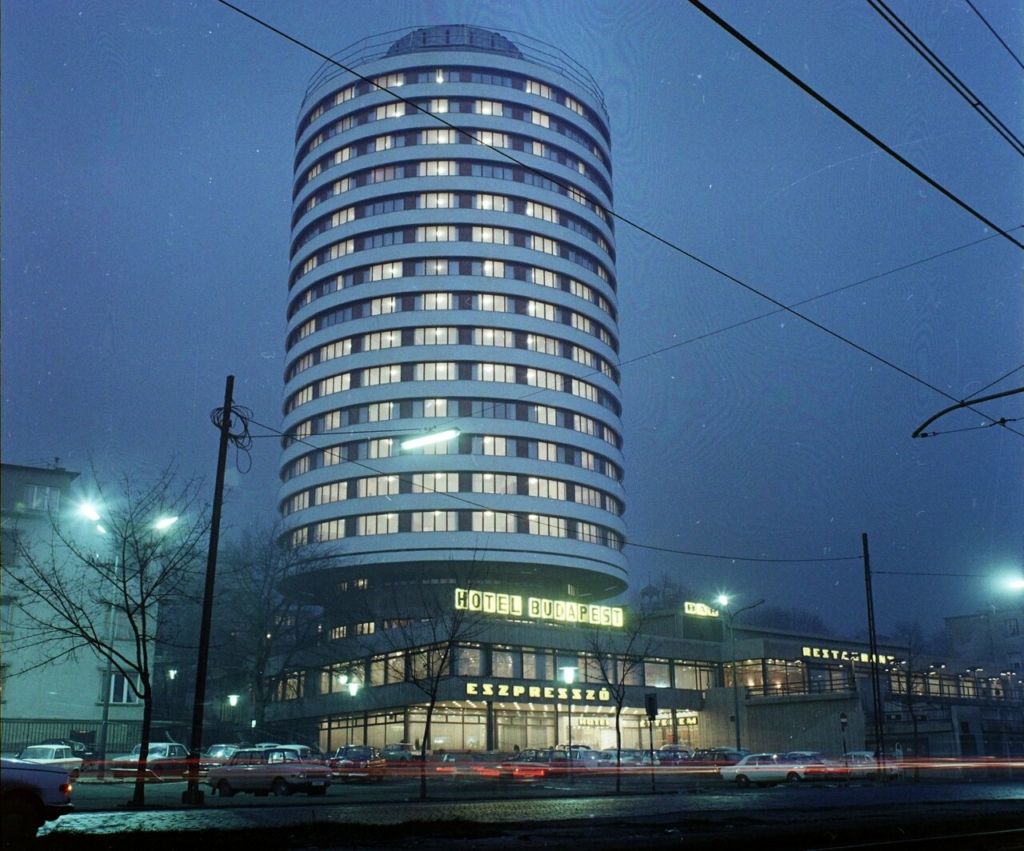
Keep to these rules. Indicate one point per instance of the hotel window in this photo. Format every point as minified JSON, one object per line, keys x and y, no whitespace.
{"x":584,"y":425}
{"x":445,"y":447}
{"x":380,"y":412}
{"x":343,"y":217}
{"x":382,"y":340}
{"x":439,"y":105}
{"x":438,"y":168}
{"x":540,"y":118}
{"x":492,"y":269}
{"x":545,"y":378}
{"x":544,"y":277}
{"x":432,"y":267}
{"x":344,"y":95}
{"x":546,"y":488}
{"x":435,"y":407}
{"x":581,"y":290}
{"x":390,"y":110}
{"x":544,"y":345}
{"x":504,"y":373}
{"x":437,"y":301}
{"x":494,"y":521}
{"x":547,"y":451}
{"x":391,"y":81}
{"x":584,"y":390}
{"x":378,"y":524}
{"x":298,"y":502}
{"x":574,"y":105}
{"x":496,"y":303}
{"x":435,"y":483}
{"x":494,"y":483}
{"x":436,"y":200}
{"x":377,"y":486}
{"x":436,"y":336}
{"x":540,"y":309}
{"x":335,"y":384}
{"x":587,"y":461}
{"x":437,"y":233}
{"x":545,"y":415}
{"x":435,"y":371}
{"x":438,"y":137}
{"x":386,"y":271}
{"x":506,"y":663}
{"x":535,"y":88}
{"x":588,"y":532}
{"x":300,"y":537}
{"x":588,"y":496}
{"x":583,"y":356}
{"x":551,"y":527}
{"x":494,"y":337}
{"x":380,"y":448}
{"x":537,"y":665}
{"x":366,"y":628}
{"x":338,"y":632}
{"x":542,"y":243}
{"x":435,"y":521}
{"x":491,"y":202}
{"x":468,"y":662}
{"x":491,"y":139}
{"x":381,"y":375}
{"x":340,"y":249}
{"x":540,"y":149}
{"x":334,"y":492}
{"x":382,"y":305}
{"x":488,"y":107}
{"x":330,"y":530}
{"x":491,"y":445}
{"x":382,"y":143}
{"x":498,"y":236}
{"x":331,"y":456}
{"x":580,"y":322}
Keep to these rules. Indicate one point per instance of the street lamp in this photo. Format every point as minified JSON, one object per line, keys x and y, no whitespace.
{"x":569,"y":677}
{"x":723,"y":601}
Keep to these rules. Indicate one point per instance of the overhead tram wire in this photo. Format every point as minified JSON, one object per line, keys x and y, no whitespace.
{"x":998,"y":37}
{"x":651,"y":234}
{"x":926,"y":53}
{"x":867,"y":134}
{"x":471,"y":503}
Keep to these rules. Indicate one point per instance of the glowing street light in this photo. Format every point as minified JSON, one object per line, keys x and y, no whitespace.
{"x":429,"y":438}
{"x":569,"y":677}
{"x":723,"y":601}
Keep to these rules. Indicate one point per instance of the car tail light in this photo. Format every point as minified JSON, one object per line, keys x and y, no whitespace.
{"x":66,"y":788}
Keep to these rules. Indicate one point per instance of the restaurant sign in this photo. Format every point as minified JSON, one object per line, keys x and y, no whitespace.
{"x":839,"y":655}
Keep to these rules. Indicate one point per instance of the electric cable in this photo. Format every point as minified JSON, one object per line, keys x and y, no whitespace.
{"x":789,"y":75}
{"x":911,"y":38}
{"x":999,"y":38}
{"x":651,"y":234}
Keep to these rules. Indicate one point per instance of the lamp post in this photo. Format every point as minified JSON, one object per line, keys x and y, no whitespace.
{"x":724,"y":602}
{"x":569,"y":677}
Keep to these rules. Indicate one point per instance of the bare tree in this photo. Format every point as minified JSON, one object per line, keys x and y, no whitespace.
{"x":615,"y":657}
{"x":259,"y":630}
{"x":73,"y":599}
{"x":422,"y":631}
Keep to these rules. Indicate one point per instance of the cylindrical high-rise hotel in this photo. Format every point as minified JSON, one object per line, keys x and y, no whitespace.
{"x":453,"y":266}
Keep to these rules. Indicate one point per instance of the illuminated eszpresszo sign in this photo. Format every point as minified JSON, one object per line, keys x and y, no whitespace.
{"x":537,"y":608}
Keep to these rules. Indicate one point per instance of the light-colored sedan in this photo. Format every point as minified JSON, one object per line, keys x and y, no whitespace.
{"x":265,"y":770}
{"x":765,"y":769}
{"x":59,"y":756}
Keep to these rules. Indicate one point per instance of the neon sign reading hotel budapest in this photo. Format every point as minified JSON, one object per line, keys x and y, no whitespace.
{"x":537,"y":608}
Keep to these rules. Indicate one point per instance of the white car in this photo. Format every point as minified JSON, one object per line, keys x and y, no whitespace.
{"x":767,"y":769}
{"x":864,"y":765}
{"x":30,"y":795}
{"x":262,"y":771}
{"x":59,"y":756}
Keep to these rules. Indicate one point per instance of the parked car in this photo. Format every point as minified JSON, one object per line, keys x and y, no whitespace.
{"x":529,"y":764}
{"x":626,"y":758}
{"x":306,"y":752}
{"x":59,"y":756}
{"x":357,"y":762}
{"x":397,"y":752}
{"x":718,"y":756}
{"x":478,"y":764}
{"x":82,"y":750}
{"x":865,"y":765}
{"x":767,"y":769}
{"x":216,"y":755}
{"x":30,"y":795}
{"x":164,"y":759}
{"x":264,"y":770}
{"x":817,"y":766}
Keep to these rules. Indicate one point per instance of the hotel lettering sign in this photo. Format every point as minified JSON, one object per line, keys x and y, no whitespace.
{"x":701,"y":610}
{"x":835,"y":655}
{"x":537,"y":608}
{"x":514,"y":691}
